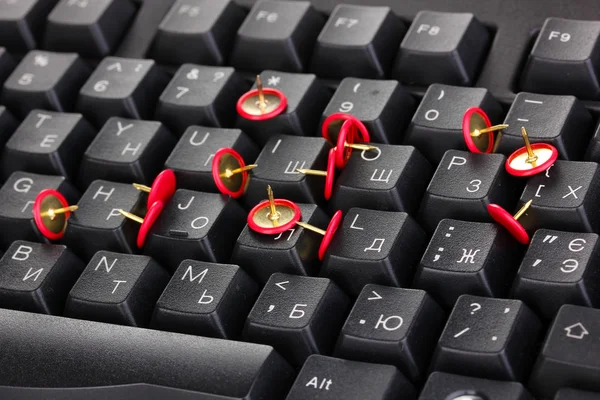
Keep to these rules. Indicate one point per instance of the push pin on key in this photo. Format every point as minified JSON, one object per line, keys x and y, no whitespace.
{"x":261,"y":103}
{"x":478,"y":131}
{"x":273,"y":216}
{"x":332,"y":126}
{"x":51,"y":212}
{"x":345,"y":143}
{"x":162,"y":189}
{"x":510,"y":222}
{"x":146,"y":223}
{"x":531,"y":159}
{"x":230,"y":173}
{"x":329,"y":174}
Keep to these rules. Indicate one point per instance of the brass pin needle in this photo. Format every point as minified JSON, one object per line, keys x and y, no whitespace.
{"x":131,"y":216}
{"x":261,"y":97}
{"x":52,"y":213}
{"x":479,"y":132}
{"x":531,"y":157}
{"x":230,"y":172}
{"x":273,"y":214}
{"x":311,"y":172}
{"x":311,"y":228}
{"x":141,"y":187}
{"x":523,"y":209}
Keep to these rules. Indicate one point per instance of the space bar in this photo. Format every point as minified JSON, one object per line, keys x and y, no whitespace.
{"x":50,"y":351}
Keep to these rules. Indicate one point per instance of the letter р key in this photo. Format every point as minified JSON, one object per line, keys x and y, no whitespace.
{"x":381,"y":247}
{"x":328,"y":378}
{"x":441,"y":385}
{"x":565,"y":59}
{"x":392,"y":326}
{"x":298,"y":316}
{"x":559,"y":268}
{"x":206,"y":299}
{"x":478,"y":258}
{"x":17,"y":196}
{"x":37,"y":277}
{"x":118,"y":289}
{"x":488,"y":338}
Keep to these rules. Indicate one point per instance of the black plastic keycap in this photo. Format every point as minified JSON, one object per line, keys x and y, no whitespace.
{"x":45,"y":80}
{"x":488,"y":338}
{"x":298,"y":316}
{"x":92,"y":29}
{"x":358,"y":41}
{"x":51,"y":351}
{"x":7,"y":64}
{"x":197,"y":31}
{"x":126,"y":150}
{"x":22,"y":23}
{"x":564,"y":59}
{"x":569,"y":356}
{"x":392,"y":326}
{"x":442,"y":47}
{"x":559,"y":268}
{"x":441,"y":385}
{"x":8,"y":125}
{"x":206,"y":299}
{"x":192,"y":157}
{"x":277,"y":35}
{"x":328,"y":378}
{"x":48,"y":143}
{"x":37,"y":277}
{"x":118,"y":289}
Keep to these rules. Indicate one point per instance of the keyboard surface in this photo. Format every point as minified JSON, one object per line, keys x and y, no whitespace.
{"x":395,"y":283}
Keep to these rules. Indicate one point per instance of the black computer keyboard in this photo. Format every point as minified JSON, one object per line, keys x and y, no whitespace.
{"x":418,"y":294}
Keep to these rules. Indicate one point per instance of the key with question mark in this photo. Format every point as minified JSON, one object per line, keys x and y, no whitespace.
{"x":476,"y":307}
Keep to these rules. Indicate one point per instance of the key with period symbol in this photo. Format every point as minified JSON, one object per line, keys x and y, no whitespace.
{"x":488,"y":338}
{"x":230,"y":172}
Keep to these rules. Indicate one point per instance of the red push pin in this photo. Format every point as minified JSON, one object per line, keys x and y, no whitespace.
{"x":329,"y":174}
{"x":162,"y":188}
{"x":333,"y":125}
{"x":51,"y":212}
{"x":230,"y":173}
{"x":531,"y":159}
{"x":151,"y":216}
{"x":273,"y":216}
{"x":328,"y":234}
{"x":511,"y":223}
{"x":475,"y":125}
{"x":345,"y":144}
{"x":261,"y":104}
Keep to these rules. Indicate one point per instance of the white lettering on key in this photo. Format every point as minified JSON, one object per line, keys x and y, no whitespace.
{"x":104,"y":261}
{"x":117,"y":285}
{"x":343,"y":21}
{"x":563,"y":37}
{"x":43,"y":118}
{"x":114,"y":213}
{"x":131,"y":149}
{"x":22,"y":253}
{"x":375,"y":242}
{"x":572,"y":192}
{"x":352,"y":226}
{"x":537,"y":192}
{"x":395,"y":322}
{"x":296,"y":312}
{"x":474,"y":186}
{"x":190,"y":270}
{"x":468,"y":257}
{"x":27,"y":204}
{"x":381,"y":178}
{"x":431,"y":30}
{"x":289,"y":170}
{"x":363,"y":154}
{"x":209,"y":299}
{"x":105,"y":194}
{"x":569,"y":266}
{"x":193,"y":143}
{"x":48,"y":140}
{"x":187,"y":205}
{"x":199,"y":222}
{"x":25,"y":188}
{"x":432,"y":115}
{"x":122,"y":128}
{"x":576,"y":245}
{"x":268,"y":16}
{"x":457,"y":158}
{"x":30,"y":274}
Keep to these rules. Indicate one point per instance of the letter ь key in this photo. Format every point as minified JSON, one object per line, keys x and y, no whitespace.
{"x":206,"y":299}
{"x":37,"y":277}
{"x":118,"y":289}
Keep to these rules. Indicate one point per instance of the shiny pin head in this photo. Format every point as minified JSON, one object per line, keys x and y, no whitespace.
{"x":329,"y":174}
{"x":51,"y":212}
{"x":230,"y":173}
{"x":345,"y":143}
{"x":478,"y":131}
{"x":162,"y":189}
{"x":273,"y":216}
{"x":332,"y":126}
{"x":510,"y":222}
{"x":146,"y":223}
{"x":531,"y":159}
{"x":261,"y":104}
{"x":328,"y":233}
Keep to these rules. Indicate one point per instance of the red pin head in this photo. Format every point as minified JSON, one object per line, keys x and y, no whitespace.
{"x":478,"y":131}
{"x":345,"y":143}
{"x":230,"y":173}
{"x":147,"y":222}
{"x":328,"y":234}
{"x":162,"y":189}
{"x":261,"y":104}
{"x":51,"y":212}
{"x":511,"y":223}
{"x":333,"y":124}
{"x":531,"y":159}
{"x":273,"y":216}
{"x":329,"y":174}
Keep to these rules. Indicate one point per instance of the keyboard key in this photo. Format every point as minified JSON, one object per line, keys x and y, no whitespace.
{"x":306,"y":98}
{"x":192,"y":157}
{"x":201,"y":226}
{"x":328,"y":378}
{"x":561,"y":121}
{"x":298,"y":316}
{"x":380,"y":247}
{"x":569,"y":356}
{"x":357,"y":41}
{"x":277,"y":35}
{"x":118,"y":289}
{"x":441,"y":385}
{"x":206,"y":299}
{"x":291,"y":252}
{"x":477,"y":180}
{"x":65,"y":352}
{"x":437,"y":124}
{"x":488,"y":338}
{"x":7,"y":64}
{"x":17,"y":196}
{"x":121,"y":87}
{"x":593,"y":151}
{"x":37,"y":277}
{"x":558,"y":269}
{"x":91,"y":28}
{"x":45,"y":80}
{"x":392,"y":326}
{"x":573,"y":394}
{"x":442,"y":47}
{"x":8,"y":125}
{"x":126,"y":150}
{"x":197,"y":31}
{"x":98,"y":225}
{"x":468,"y":258}
{"x":199,"y":95}
{"x":564,"y":59}
{"x":22,"y":23}
{"x":378,"y":179}
{"x":48,"y":142}
{"x":383,"y":106}
{"x":563,"y":198}
{"x":277,"y":164}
